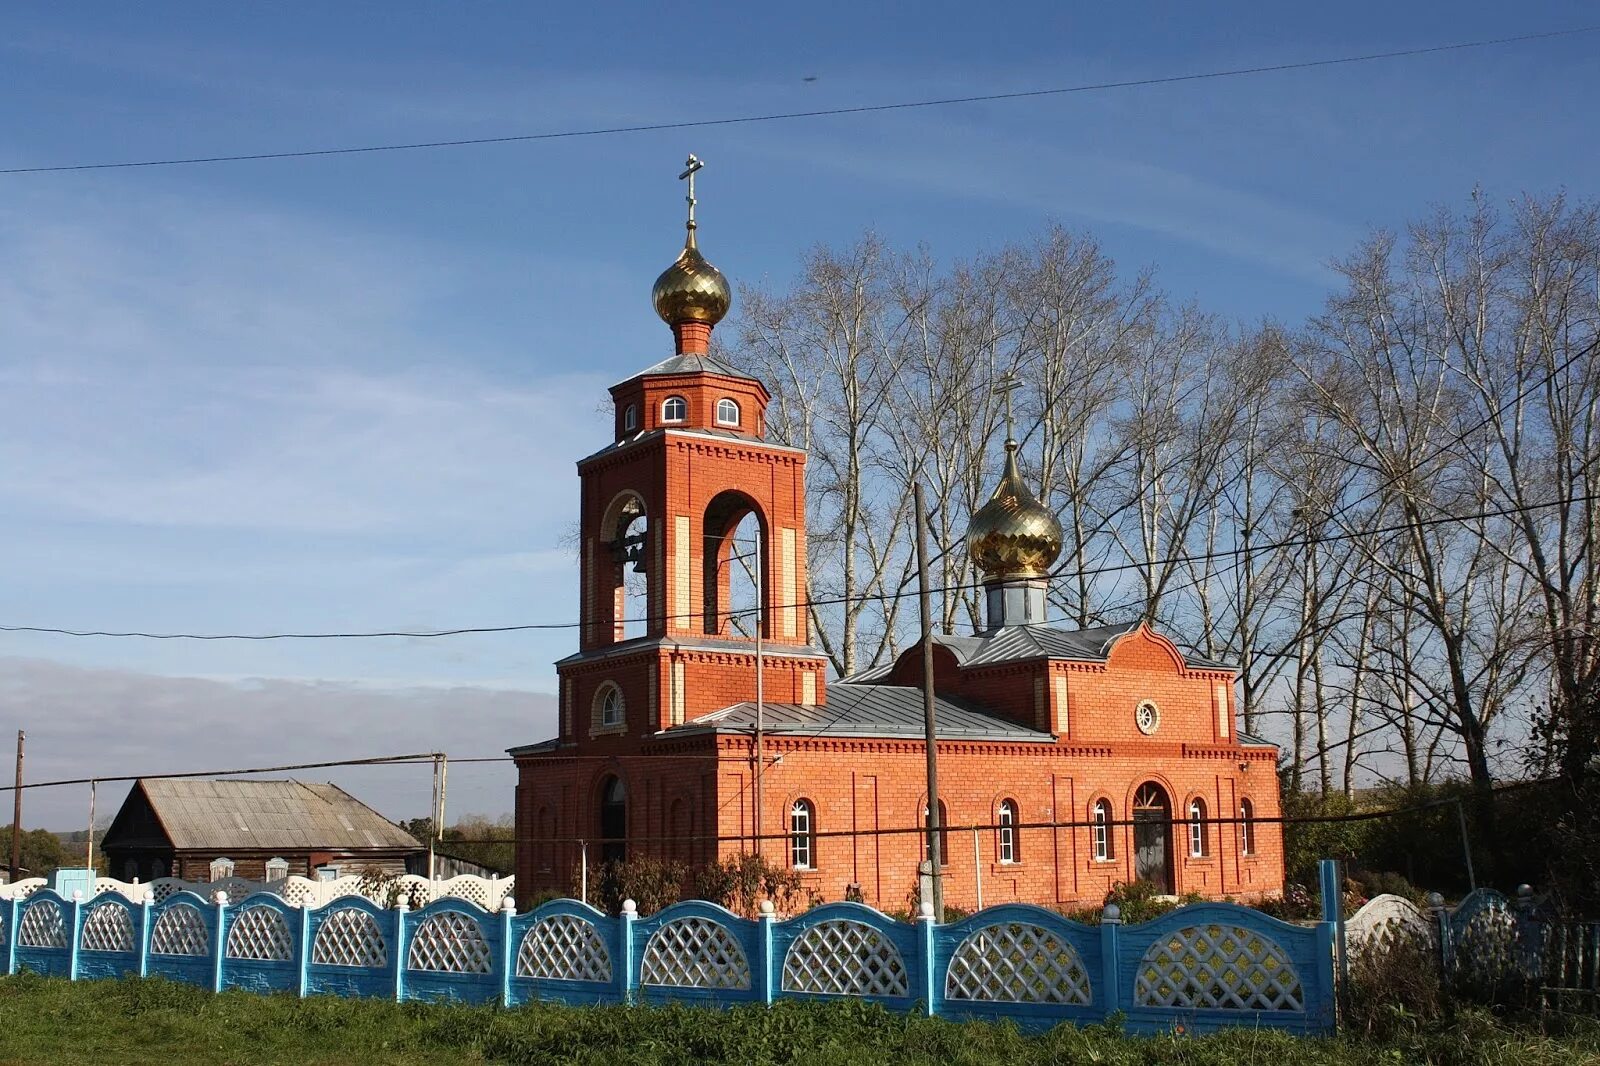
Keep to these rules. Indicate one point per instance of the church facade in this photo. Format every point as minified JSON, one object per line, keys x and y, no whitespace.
{"x":1068,"y":760}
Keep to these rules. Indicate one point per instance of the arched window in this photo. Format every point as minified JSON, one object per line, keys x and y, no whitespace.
{"x":1247,"y":827}
{"x":727,"y":412}
{"x":802,"y":836}
{"x":1007,"y":831}
{"x":1197,"y":827}
{"x":608,"y":708}
{"x":944,"y":833}
{"x":221,"y":868}
{"x":674,"y":409}
{"x":630,"y":418}
{"x":1105,"y":848}
{"x":277,"y":868}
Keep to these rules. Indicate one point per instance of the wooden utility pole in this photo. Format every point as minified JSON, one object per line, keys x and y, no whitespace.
{"x":16,"y":816}
{"x":930,"y":738}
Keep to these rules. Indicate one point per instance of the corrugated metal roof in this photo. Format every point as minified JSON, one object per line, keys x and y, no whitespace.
{"x":693,"y":364}
{"x":286,"y":815}
{"x":1021,"y":643}
{"x":866,"y":711}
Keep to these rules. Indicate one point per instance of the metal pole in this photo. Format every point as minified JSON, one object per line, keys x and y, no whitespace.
{"x":16,"y":816}
{"x":583,"y":866}
{"x":977,"y":865}
{"x":1466,"y":845}
{"x":930,"y":739}
{"x":433,"y":817}
{"x":89,"y":860}
{"x":760,"y":691}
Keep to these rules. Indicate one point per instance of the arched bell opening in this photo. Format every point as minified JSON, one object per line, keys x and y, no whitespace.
{"x":738,"y":564}
{"x":623,"y":569}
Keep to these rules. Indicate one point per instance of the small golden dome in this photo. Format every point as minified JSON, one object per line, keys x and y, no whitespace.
{"x":1013,"y":535}
{"x":691,"y":290}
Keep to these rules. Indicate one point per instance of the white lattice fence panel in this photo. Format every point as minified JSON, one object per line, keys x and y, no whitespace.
{"x":126,"y":889}
{"x":487,"y":893}
{"x":42,"y":926}
{"x":1017,"y":963}
{"x":180,"y":931}
{"x":449,"y":943}
{"x":163,"y":887}
{"x":260,"y":933}
{"x":694,"y":953}
{"x":1385,"y":922}
{"x":1220,"y":966}
{"x":107,"y":927}
{"x":563,"y":947}
{"x":841,"y":957}
{"x":22,"y":889}
{"x":350,"y":937}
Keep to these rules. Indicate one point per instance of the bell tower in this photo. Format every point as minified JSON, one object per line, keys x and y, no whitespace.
{"x":660,"y":643}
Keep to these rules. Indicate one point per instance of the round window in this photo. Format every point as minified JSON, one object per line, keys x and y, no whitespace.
{"x":1147,"y":716}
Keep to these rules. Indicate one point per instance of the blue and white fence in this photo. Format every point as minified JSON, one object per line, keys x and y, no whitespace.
{"x":1200,"y":967}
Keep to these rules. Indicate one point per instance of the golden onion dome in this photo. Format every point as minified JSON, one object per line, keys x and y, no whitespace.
{"x":1013,"y":535}
{"x":691,"y":289}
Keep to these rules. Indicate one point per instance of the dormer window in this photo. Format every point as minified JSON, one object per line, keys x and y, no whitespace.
{"x":674,"y":409}
{"x":727,"y":412}
{"x":630,"y":418}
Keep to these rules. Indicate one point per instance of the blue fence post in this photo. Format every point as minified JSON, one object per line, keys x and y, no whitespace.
{"x":13,"y":906}
{"x":219,"y":948}
{"x":1330,"y":881}
{"x":400,"y":912}
{"x":925,"y":949}
{"x":303,"y":950}
{"x":764,"y":935}
{"x":1110,"y":979}
{"x":74,"y":931}
{"x":146,"y":919}
{"x":508,"y":911}
{"x":630,"y":975}
{"x":1447,"y":950}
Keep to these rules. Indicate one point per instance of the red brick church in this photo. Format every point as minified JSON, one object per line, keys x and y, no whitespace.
{"x":1113,"y":728}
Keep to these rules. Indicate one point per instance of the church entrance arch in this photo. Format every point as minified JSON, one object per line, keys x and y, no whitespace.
{"x":1152,"y":836}
{"x":734,"y":526}
{"x":613,"y":820}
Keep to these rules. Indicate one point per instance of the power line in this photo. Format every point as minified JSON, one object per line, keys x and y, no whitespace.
{"x":1226,"y":553}
{"x":782,"y":116}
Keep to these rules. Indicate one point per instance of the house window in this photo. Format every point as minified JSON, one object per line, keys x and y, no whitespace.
{"x":608,"y":706}
{"x":802,"y":836}
{"x":1197,"y":828}
{"x":727,"y":412}
{"x":944,"y":833}
{"x":1247,"y":827}
{"x":1008,"y":831}
{"x":630,"y":418}
{"x":277,"y":869}
{"x":221,"y":868}
{"x":674,"y":409}
{"x":1104,"y":847}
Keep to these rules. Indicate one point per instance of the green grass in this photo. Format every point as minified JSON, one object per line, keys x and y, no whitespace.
{"x":131,"y":1023}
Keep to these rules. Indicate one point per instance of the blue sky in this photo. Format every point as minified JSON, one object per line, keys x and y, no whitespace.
{"x":347,"y":393}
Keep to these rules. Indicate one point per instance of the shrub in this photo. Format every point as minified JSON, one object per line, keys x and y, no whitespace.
{"x":651,"y":883}
{"x":1394,"y":986}
{"x":740,"y":882}
{"x":1138,"y":901}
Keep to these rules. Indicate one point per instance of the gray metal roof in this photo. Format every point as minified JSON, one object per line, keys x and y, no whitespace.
{"x":1248,"y":741}
{"x":1022,"y":643}
{"x":694,"y":643}
{"x":693,"y":364}
{"x":865,"y":711}
{"x":275,"y":815}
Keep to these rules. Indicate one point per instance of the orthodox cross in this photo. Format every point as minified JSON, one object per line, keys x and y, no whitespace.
{"x":690,"y":165}
{"x":1007,"y":384}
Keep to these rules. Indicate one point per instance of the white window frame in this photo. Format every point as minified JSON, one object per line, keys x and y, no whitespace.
{"x":723,"y":420}
{"x":277,"y":865}
{"x":667,"y":406}
{"x":1197,"y":828}
{"x":1102,"y":831}
{"x":221,"y":867}
{"x":612,"y":711}
{"x":630,"y":418}
{"x":1007,"y":832}
{"x":802,"y":836}
{"x":1247,"y":827}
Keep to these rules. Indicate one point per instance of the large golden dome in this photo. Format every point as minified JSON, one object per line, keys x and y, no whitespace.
{"x":691,"y":290}
{"x":1013,"y":535}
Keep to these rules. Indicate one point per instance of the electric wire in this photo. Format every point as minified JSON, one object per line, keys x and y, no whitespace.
{"x":861,"y":109}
